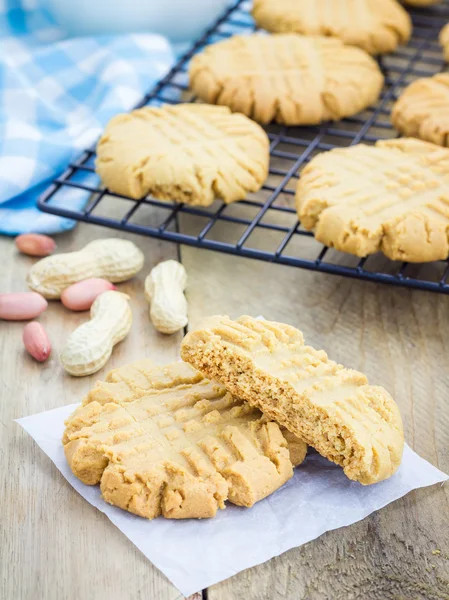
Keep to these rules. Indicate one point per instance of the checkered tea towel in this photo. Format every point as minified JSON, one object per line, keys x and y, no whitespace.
{"x":56,"y":95}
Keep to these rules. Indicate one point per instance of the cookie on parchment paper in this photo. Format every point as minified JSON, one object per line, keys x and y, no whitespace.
{"x":377,"y":26}
{"x":287,"y":78}
{"x":422,"y":110}
{"x":165,"y":440}
{"x":391,"y":197}
{"x":190,"y":153}
{"x":334,"y":409}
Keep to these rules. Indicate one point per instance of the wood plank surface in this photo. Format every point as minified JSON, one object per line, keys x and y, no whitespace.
{"x":56,"y":546}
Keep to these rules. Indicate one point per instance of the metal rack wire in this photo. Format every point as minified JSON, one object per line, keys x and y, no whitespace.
{"x":265,"y":225}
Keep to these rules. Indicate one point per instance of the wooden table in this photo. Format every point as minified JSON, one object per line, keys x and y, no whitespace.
{"x":54,"y":545}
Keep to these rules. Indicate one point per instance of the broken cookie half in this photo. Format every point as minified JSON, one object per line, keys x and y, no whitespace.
{"x":332,"y":408}
{"x":165,"y":440}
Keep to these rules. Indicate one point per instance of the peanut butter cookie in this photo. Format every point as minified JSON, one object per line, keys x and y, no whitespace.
{"x":377,"y":26}
{"x":392,"y":197}
{"x":287,"y":78}
{"x":334,"y":409}
{"x":422,"y":110}
{"x":165,"y":440}
{"x":190,"y":153}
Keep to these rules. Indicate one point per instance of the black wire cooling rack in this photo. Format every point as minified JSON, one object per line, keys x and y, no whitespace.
{"x":265,"y":225}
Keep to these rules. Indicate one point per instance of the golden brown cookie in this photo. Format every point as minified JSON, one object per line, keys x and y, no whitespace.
{"x":334,"y":409}
{"x":444,"y":41}
{"x":189,"y":153}
{"x":422,"y":110}
{"x":377,"y":26}
{"x":165,"y":440}
{"x":287,"y":78}
{"x":392,"y":197}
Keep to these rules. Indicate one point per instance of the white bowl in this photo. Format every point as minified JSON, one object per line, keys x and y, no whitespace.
{"x":179,"y":20}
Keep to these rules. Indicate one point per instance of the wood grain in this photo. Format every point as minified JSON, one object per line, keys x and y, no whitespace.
{"x":58,"y":546}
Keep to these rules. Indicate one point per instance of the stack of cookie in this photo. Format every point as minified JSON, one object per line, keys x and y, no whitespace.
{"x":230,"y":423}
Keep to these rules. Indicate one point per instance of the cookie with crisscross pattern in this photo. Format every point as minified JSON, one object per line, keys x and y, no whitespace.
{"x":391,"y":197}
{"x":188,"y":153}
{"x":377,"y":26}
{"x":422,"y":110}
{"x":288,"y":78}
{"x":332,"y":408}
{"x":165,"y":440}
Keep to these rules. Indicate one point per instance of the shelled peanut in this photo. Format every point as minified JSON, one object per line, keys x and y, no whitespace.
{"x":36,"y":342}
{"x":35,"y":244}
{"x":21,"y":306}
{"x":164,"y":290}
{"x":81,"y":295}
{"x":111,"y":259}
{"x":89,"y":347}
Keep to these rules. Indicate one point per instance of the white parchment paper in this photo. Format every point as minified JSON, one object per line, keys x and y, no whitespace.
{"x":194,"y":554}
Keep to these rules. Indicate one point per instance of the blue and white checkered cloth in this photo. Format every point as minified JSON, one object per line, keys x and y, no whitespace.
{"x":56,"y":95}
